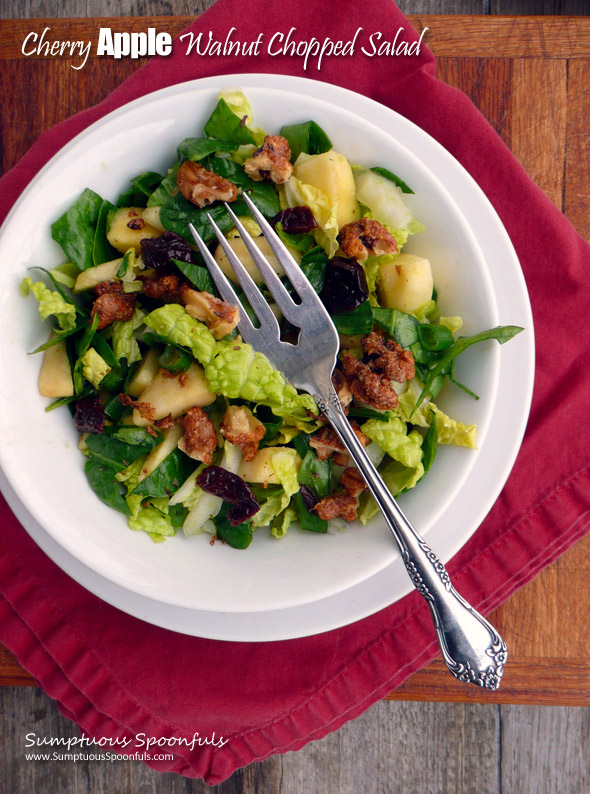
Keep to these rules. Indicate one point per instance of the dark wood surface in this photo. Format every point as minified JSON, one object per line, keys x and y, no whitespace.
{"x":532,"y":83}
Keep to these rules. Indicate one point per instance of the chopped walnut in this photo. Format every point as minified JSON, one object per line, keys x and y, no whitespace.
{"x":387,"y":357}
{"x":367,"y":386}
{"x":339,"y":505}
{"x":112,"y":303}
{"x":200,"y":439}
{"x":366,"y":237}
{"x":241,"y":427}
{"x":202,"y":187}
{"x":145,"y":410}
{"x":271,"y":160}
{"x":326,"y":442}
{"x":220,"y":317}
{"x":341,"y":388}
{"x":352,"y":481}
{"x":165,"y":288}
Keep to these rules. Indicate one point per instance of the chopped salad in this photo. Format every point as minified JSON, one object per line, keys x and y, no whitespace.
{"x":183,"y":425}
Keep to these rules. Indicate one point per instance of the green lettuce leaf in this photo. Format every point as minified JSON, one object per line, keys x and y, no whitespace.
{"x":175,"y":324}
{"x":392,"y":436}
{"x":296,"y":193}
{"x":282,"y":522}
{"x":51,"y":303}
{"x":450,"y":431}
{"x":398,"y":479}
{"x":124,"y":343}
{"x":151,"y":520}
{"x":94,"y":367}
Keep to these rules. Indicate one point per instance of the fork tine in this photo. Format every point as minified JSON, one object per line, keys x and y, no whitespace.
{"x":279,"y":249}
{"x":257,"y":301}
{"x":225,"y":288}
{"x":285,"y":302}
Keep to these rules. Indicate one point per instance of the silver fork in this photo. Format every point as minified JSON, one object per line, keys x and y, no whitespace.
{"x":471,"y":647}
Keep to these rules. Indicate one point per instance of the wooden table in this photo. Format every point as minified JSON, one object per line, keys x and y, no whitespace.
{"x":530,"y":77}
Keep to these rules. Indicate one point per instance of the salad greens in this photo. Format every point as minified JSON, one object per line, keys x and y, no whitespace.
{"x":163,"y":389}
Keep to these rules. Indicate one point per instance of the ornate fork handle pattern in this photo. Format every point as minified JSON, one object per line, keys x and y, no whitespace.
{"x":472,"y":649}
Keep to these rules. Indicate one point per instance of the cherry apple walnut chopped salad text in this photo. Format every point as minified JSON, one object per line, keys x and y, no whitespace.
{"x":182,"y":424}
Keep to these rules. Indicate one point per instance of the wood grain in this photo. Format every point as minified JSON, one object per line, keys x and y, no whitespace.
{"x":539,"y":107}
{"x":448,"y":35}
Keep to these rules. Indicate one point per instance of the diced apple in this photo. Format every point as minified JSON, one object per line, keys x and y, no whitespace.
{"x":145,"y":373}
{"x":174,"y":394}
{"x":95,"y":275}
{"x":260,"y":468}
{"x":405,"y":283}
{"x":55,"y":378}
{"x":241,"y":251}
{"x":331,"y":173}
{"x":128,"y":228}
{"x":159,"y":453}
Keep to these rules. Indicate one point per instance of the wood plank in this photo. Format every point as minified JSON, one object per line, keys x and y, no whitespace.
{"x":448,"y":35}
{"x":576,"y":201}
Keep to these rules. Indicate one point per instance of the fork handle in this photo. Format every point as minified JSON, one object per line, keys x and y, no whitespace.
{"x":471,"y":647}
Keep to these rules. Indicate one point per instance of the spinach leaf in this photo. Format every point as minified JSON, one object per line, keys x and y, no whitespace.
{"x":87,"y":392}
{"x":74,"y":231}
{"x":167,"y":187}
{"x":197,"y":148}
{"x":502,"y":334}
{"x":302,"y":242}
{"x":435,"y":337}
{"x":59,"y":336}
{"x":114,"y":453}
{"x":136,"y":436}
{"x":369,"y":413}
{"x":167,"y":477}
{"x":177,"y":213}
{"x":114,"y":408}
{"x":105,"y":486}
{"x":177,"y":515}
{"x":358,"y":321}
{"x":115,"y":377}
{"x":102,"y":250}
{"x":263,"y":194}
{"x":395,"y":179}
{"x":141,"y":187}
{"x":238,"y":537}
{"x":307,"y":137}
{"x":175,"y":360}
{"x":224,"y":125}
{"x":198,"y":275}
{"x":401,"y":326}
{"x":429,"y":445}
{"x":317,"y":476}
{"x":313,"y":265}
{"x":271,"y":422}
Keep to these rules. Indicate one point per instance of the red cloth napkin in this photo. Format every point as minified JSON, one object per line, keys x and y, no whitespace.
{"x":119,"y":677}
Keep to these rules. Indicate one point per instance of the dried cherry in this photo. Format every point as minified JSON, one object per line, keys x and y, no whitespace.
{"x":158,"y":252}
{"x":296,"y":220}
{"x":345,"y":286}
{"x":233,"y":490}
{"x":89,"y":415}
{"x":310,"y":500}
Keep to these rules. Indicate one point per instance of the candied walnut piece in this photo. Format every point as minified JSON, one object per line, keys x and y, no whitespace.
{"x":366,"y":237}
{"x":325,"y":441}
{"x":341,"y":389}
{"x":339,"y":505}
{"x":218,"y":316}
{"x":165,"y":288}
{"x":145,"y":410}
{"x":371,"y":388}
{"x":202,"y":187}
{"x":242,"y":428}
{"x":271,"y":160}
{"x":352,"y":481}
{"x":112,"y":303}
{"x":200,"y":439}
{"x":387,"y":357}
{"x":136,"y":223}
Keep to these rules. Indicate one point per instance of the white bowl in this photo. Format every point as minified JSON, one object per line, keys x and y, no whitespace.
{"x":38,"y":454}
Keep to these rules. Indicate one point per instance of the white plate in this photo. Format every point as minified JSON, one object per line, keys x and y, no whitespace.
{"x":304,"y":583}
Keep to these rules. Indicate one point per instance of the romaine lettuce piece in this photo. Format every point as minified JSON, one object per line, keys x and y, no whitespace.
{"x":124,"y":343}
{"x":397,"y":478}
{"x":450,"y":431}
{"x":94,"y":367}
{"x":51,"y":303}
{"x":282,"y":522}
{"x":385,"y":203}
{"x":151,"y":520}
{"x":393,"y":438}
{"x":174,"y":323}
